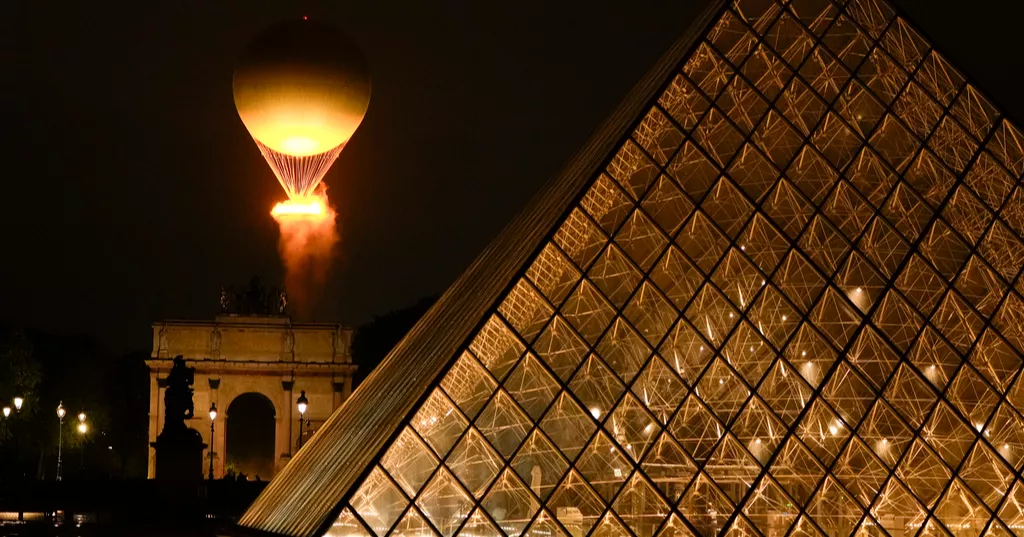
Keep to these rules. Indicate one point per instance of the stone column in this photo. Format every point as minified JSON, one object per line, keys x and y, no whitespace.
{"x":284,"y":443}
{"x":155,"y":404}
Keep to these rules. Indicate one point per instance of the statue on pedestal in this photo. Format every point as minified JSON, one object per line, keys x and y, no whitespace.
{"x":179,"y":449}
{"x":178,"y":395}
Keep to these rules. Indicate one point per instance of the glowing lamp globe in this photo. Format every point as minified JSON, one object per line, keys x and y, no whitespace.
{"x":301,"y":88}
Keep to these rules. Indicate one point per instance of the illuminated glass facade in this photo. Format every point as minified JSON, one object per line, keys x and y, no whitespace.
{"x":788,"y":304}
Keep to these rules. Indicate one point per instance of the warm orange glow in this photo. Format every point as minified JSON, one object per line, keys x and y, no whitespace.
{"x":309,"y":207}
{"x":301,"y":130}
{"x":301,"y":88}
{"x":302,"y":145}
{"x":306,"y":245}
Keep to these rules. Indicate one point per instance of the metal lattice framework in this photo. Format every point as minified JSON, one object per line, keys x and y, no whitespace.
{"x":789,"y":304}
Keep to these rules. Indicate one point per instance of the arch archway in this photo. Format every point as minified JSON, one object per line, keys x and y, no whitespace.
{"x":250,"y":435}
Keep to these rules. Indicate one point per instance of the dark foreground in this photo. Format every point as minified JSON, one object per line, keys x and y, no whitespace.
{"x":140,"y":508}
{"x":36,"y":529}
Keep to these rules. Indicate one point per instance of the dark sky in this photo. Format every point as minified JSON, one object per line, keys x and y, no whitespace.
{"x":132,"y":191}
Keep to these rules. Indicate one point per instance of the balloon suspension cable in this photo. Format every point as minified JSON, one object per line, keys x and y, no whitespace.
{"x":299,"y":175}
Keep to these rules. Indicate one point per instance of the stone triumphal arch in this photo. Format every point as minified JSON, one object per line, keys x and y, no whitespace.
{"x":238,"y":354}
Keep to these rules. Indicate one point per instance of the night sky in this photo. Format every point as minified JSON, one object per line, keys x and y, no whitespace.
{"x":132,"y":191}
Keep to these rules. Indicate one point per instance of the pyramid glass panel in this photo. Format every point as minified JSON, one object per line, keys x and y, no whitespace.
{"x":576,"y":506}
{"x":413,"y":525}
{"x":444,"y":503}
{"x":604,"y":466}
{"x":474,"y":462}
{"x":540,"y":464}
{"x":778,"y":295}
{"x":610,"y":527}
{"x":347,"y":526}
{"x":409,"y":462}
{"x":510,"y":503}
{"x":543,"y":526}
{"x":469,"y":385}
{"x":640,"y":507}
{"x":860,"y":470}
{"x":668,"y":466}
{"x":770,"y":509}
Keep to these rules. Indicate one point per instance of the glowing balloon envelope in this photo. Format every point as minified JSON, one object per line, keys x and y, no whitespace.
{"x":301,"y":89}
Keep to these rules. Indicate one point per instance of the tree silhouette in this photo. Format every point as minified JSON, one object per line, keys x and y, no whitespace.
{"x":20,"y":374}
{"x":375,"y":339}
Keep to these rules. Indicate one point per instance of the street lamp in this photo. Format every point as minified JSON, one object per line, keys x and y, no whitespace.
{"x":82,"y":429}
{"x":7,"y":411}
{"x":303,"y":404}
{"x":60,"y":435}
{"x":18,"y":401}
{"x":213,"y":416}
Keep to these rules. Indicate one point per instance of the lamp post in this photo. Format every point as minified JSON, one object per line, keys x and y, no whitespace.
{"x":82,"y":429}
{"x":18,"y":401}
{"x":303,"y":403}
{"x":213,"y":416}
{"x":60,"y":435}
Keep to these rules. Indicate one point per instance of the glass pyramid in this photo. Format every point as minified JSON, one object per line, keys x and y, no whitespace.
{"x":788,"y":304}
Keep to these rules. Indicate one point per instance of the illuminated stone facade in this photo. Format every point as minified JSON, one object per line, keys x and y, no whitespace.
{"x":779,"y":294}
{"x":269,"y":355}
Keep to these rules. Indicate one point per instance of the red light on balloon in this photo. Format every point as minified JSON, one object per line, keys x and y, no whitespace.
{"x":305,"y":18}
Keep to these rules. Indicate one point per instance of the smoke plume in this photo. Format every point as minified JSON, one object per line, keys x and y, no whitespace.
{"x":306,"y":246}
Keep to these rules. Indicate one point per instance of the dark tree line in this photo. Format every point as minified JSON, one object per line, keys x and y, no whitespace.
{"x":374,"y":340}
{"x":112,"y":390}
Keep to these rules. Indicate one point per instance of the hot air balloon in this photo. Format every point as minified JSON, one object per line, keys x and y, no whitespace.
{"x":301,"y":88}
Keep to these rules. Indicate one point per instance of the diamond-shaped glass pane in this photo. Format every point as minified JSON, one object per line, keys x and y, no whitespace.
{"x":379,"y":502}
{"x":474,"y":462}
{"x":409,"y":462}
{"x":604,"y":466}
{"x":532,"y":386}
{"x":445,"y":503}
{"x":640,"y":507}
{"x":468,"y":384}
{"x":413,"y":525}
{"x":510,"y":504}
{"x":347,"y":525}
{"x":503,"y":423}
{"x":568,"y":425}
{"x":539,"y":464}
{"x":439,"y":422}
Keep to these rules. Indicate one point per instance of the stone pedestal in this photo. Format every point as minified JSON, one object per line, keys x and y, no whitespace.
{"x":179,"y":456}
